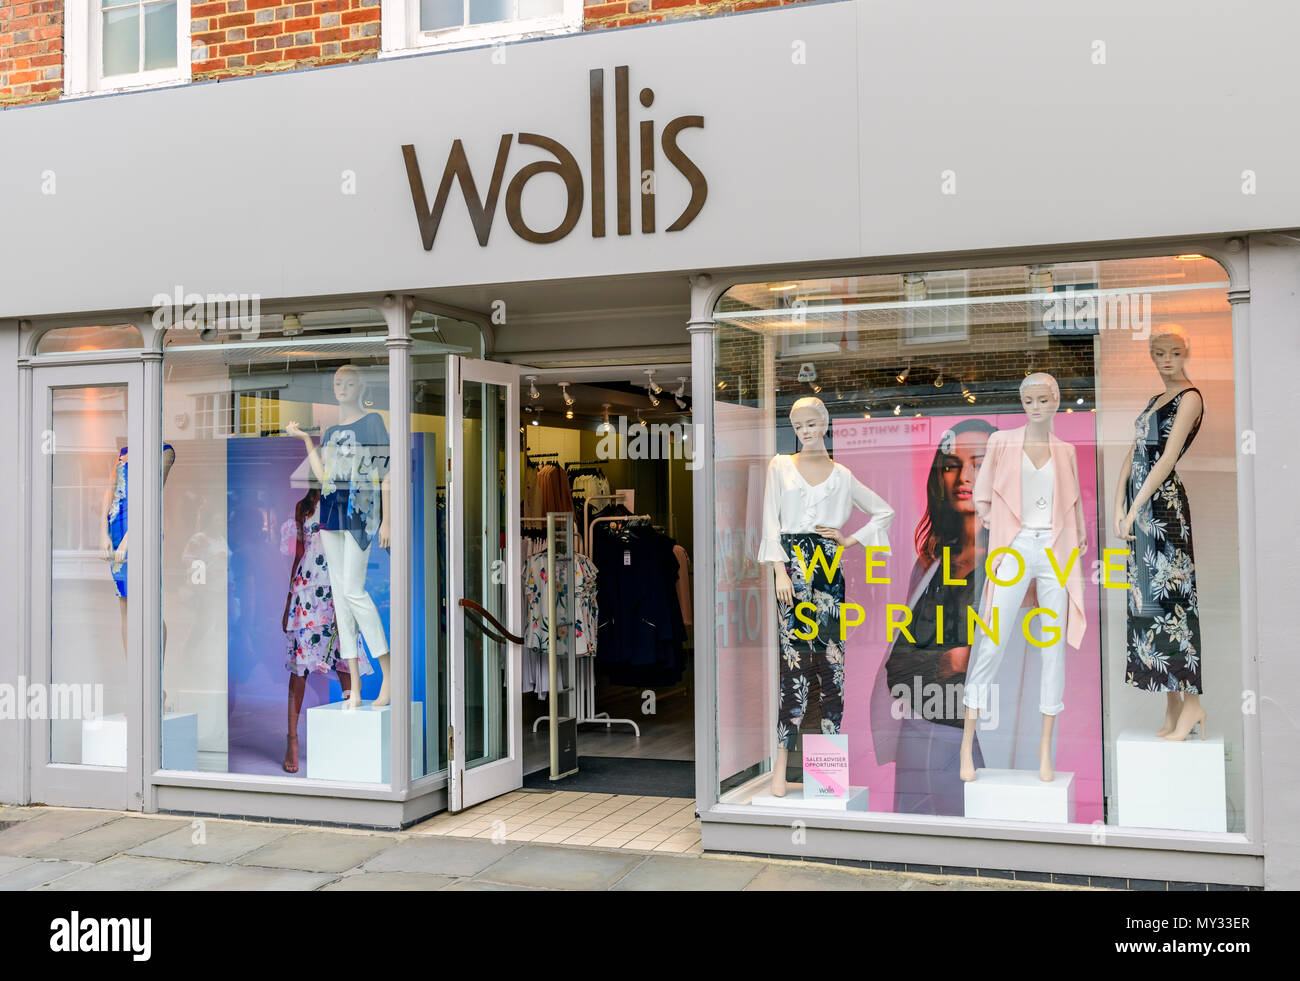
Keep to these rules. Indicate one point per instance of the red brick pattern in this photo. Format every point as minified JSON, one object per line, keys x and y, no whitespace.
{"x":599,"y":14}
{"x":31,"y":50}
{"x":241,"y":37}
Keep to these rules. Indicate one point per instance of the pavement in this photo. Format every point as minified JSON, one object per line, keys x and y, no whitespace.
{"x":79,"y":850}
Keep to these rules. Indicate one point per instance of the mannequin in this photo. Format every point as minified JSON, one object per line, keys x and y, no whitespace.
{"x":351,"y":466}
{"x":1027,"y":495}
{"x":807,"y":498}
{"x":113,"y":534}
{"x":1154,"y":519}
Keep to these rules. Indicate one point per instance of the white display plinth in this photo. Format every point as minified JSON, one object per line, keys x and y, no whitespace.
{"x":103,"y":741}
{"x":353,"y":744}
{"x":854,"y":800}
{"x":1166,"y":784}
{"x":1019,"y":795}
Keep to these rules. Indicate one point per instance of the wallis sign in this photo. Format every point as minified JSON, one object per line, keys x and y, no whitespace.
{"x":482,"y":210}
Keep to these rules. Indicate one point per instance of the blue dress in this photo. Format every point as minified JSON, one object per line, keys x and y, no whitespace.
{"x":117,"y":516}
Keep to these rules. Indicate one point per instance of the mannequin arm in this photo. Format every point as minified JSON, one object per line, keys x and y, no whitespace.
{"x":982,"y":495}
{"x":383,"y":520}
{"x":882,"y":516}
{"x":1121,"y":486}
{"x":1189,"y":409}
{"x":1081,"y":526}
{"x":769,"y":549}
{"x":313,"y":458}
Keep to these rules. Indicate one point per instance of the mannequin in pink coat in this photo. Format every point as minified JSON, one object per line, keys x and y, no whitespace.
{"x":1027,"y":495}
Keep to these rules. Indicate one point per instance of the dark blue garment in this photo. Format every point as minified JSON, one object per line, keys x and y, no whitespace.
{"x":355,"y":457}
{"x":640,"y":631}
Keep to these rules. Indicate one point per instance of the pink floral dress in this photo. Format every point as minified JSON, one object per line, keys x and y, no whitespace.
{"x":311,"y":636}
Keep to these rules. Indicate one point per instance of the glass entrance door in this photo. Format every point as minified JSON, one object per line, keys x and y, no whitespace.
{"x":84,"y":701}
{"x":485,"y":663}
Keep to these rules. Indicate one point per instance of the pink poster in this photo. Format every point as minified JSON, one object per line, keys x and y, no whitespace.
{"x":909,"y":762}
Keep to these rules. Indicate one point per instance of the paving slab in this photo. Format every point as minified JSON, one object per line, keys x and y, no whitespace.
{"x":11,"y":863}
{"x":217,"y":841}
{"x":126,"y":872}
{"x":389,"y":881}
{"x":318,"y":851}
{"x":226,"y":878}
{"x":560,"y":868}
{"x":790,"y":878}
{"x":37,"y":874}
{"x":441,"y":856}
{"x":106,"y":840}
{"x":689,"y":874}
{"x":479,"y":885}
{"x":47,"y":827}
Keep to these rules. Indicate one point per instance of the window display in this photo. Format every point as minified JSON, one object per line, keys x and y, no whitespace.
{"x":1028,"y":577}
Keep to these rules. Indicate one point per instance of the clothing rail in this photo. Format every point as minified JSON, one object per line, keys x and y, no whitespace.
{"x":586,"y":512}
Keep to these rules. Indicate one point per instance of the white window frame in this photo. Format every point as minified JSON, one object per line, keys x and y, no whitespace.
{"x":83,"y":53}
{"x":400,"y":33}
{"x":955,"y":333}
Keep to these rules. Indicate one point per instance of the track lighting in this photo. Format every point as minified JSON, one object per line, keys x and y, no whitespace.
{"x":651,"y":384}
{"x":1040,"y":279}
{"x":679,"y":396}
{"x":966,"y":393}
{"x":533,"y":393}
{"x":938,"y":379}
{"x":914,"y":287}
{"x":568,"y":399}
{"x":291,"y":325}
{"x":898,"y":409}
{"x":901,"y":377}
{"x":568,"y":413}
{"x":605,"y":426}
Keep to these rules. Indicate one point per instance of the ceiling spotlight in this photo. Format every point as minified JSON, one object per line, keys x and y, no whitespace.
{"x":568,"y":399}
{"x":537,"y":420}
{"x":679,"y":396}
{"x":1040,"y":279}
{"x":938,"y":379}
{"x":605,"y":426}
{"x":568,"y":413}
{"x":898,"y":409}
{"x":914,"y":287}
{"x":291,"y":325}
{"x":722,"y":384}
{"x":901,"y":377}
{"x":1078,"y":401}
{"x":651,"y":384}
{"x":533,"y":393}
{"x":654,"y":402}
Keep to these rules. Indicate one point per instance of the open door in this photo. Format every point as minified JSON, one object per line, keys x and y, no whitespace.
{"x":484,"y":602}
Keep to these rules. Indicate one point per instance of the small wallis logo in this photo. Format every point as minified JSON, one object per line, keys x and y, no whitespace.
{"x":482,"y":211}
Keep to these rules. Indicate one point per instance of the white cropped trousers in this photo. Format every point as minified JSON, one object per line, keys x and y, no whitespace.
{"x":1032,"y":545}
{"x":353,"y":607}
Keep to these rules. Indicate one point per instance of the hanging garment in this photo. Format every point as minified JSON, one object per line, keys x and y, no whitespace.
{"x":640,"y":630}
{"x":1164,"y":623}
{"x":684,"y":584}
{"x":355,"y":458}
{"x":117,"y":513}
{"x":812,"y":670}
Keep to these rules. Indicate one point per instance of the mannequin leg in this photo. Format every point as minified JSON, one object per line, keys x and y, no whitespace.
{"x":1192,"y":714}
{"x":352,"y":697}
{"x":778,"y":772}
{"x":297,"y":688}
{"x":382,"y":697}
{"x":1045,"y":750}
{"x":967,"y":766}
{"x":332,"y":544}
{"x":1173,"y":709}
{"x":121,"y":606}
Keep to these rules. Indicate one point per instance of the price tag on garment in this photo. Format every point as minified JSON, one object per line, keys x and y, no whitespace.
{"x":627,"y":556}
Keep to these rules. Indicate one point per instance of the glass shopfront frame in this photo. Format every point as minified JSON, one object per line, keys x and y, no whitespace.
{"x":732,"y":818}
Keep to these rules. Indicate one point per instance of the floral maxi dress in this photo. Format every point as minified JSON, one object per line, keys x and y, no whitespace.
{"x":1164,"y":626}
{"x":311,"y":637}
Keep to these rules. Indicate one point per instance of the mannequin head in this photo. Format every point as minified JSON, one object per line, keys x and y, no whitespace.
{"x":1170,"y":348}
{"x":348,"y":386}
{"x":810,"y":420}
{"x":1040,"y":397}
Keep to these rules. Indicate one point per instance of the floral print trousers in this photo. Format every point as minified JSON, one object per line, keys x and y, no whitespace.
{"x":812,"y":668}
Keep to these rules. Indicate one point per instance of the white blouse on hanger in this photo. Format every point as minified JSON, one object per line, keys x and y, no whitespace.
{"x":791,"y":505}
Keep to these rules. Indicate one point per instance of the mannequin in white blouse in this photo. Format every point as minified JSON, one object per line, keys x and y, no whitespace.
{"x":809,"y":492}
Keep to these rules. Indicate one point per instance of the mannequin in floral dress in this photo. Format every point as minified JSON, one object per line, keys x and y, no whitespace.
{"x":308,"y":620}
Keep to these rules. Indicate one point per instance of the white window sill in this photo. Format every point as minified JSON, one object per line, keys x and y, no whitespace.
{"x":131,"y":83}
{"x":485,"y":34}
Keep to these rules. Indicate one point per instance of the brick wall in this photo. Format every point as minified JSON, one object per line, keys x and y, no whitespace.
{"x":240,"y":37}
{"x":598,"y":14}
{"x":31,"y":50}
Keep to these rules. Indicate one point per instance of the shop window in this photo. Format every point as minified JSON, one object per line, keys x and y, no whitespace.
{"x":116,"y":44}
{"x":451,"y":23}
{"x":879,"y":666}
{"x":75,"y":340}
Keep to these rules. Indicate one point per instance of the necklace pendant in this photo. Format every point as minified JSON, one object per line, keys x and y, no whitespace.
{"x":1041,"y":503}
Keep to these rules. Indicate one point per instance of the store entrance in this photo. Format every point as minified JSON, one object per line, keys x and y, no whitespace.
{"x":612,"y":447}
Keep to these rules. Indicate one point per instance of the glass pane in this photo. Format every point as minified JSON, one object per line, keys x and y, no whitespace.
{"x":113,"y":337}
{"x":485,"y":443}
{"x":435,"y":15}
{"x":122,"y":41}
{"x":490,"y":11}
{"x":428,"y":406}
{"x":87,"y":453}
{"x":160,"y":35}
{"x":275,"y":571}
{"x":540,"y":8}
{"x":933,"y":399}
